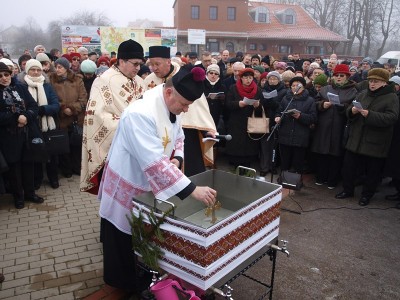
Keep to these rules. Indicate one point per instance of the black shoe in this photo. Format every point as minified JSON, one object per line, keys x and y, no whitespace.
{"x":35,"y":199}
{"x":364,"y":201}
{"x":54,"y":184}
{"x":37,"y":186}
{"x":19,"y":204}
{"x":67,"y":174}
{"x":395,"y":197}
{"x":343,"y":195}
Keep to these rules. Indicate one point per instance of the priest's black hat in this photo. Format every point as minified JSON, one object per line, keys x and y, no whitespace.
{"x":159,"y":51}
{"x":130,"y":49}
{"x":188,"y":82}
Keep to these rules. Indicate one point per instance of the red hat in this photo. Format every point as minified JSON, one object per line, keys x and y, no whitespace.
{"x":67,"y":56}
{"x":184,"y":60}
{"x":113,"y":61}
{"x":249,"y":71}
{"x":74,"y":54}
{"x":342,"y":69}
{"x":103,"y":59}
{"x":263,"y":75}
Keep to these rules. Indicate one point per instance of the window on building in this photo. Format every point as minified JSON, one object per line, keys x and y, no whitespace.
{"x":262,"y":47}
{"x":289,"y":19}
{"x":213,"y":13}
{"x":253,"y":46}
{"x":213,"y":46}
{"x":195,"y":12}
{"x":287,"y":16}
{"x":230,"y":47}
{"x":259,"y":14}
{"x":285,"y":49}
{"x":231,"y":13}
{"x":193,"y":48}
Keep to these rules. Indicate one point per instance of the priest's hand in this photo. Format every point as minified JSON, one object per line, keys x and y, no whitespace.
{"x":205,"y":194}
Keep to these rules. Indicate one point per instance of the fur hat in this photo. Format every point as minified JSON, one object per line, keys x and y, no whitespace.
{"x":33,"y":63}
{"x":287,"y":75}
{"x":63,"y":62}
{"x":395,"y":79}
{"x":298,"y":79}
{"x":42,"y":57}
{"x":4,"y":68}
{"x":342,"y":69}
{"x":130,"y":49}
{"x":213,"y":67}
{"x":321,"y":79}
{"x":246,"y":71}
{"x":259,"y":69}
{"x":367,"y":60}
{"x":188,"y":82}
{"x":88,"y":66}
{"x":159,"y":51}
{"x":275,"y":74}
{"x":379,"y":74}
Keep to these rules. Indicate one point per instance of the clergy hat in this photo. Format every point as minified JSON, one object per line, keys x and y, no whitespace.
{"x":130,"y":49}
{"x":188,"y":82}
{"x":159,"y":51}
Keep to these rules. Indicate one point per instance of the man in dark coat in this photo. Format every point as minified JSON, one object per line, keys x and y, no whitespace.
{"x":371,"y":130}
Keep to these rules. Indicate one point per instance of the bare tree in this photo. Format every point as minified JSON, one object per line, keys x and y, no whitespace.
{"x":29,"y":35}
{"x":387,"y":24}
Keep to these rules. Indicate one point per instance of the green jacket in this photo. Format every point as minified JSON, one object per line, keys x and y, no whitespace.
{"x":372,"y":135}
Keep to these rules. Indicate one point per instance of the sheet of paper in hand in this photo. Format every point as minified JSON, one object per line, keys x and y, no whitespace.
{"x":214,"y":96}
{"x":334,"y":99}
{"x":357,"y":105}
{"x":292,"y":111}
{"x":249,"y":101}
{"x":270,"y":95}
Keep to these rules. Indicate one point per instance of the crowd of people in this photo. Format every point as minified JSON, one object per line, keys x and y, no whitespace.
{"x":144,"y":120}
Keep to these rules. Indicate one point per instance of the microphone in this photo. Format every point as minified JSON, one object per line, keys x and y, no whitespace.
{"x":299,"y":86}
{"x":226,"y":137}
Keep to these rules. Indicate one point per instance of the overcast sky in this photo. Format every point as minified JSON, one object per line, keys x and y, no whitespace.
{"x":120,"y":12}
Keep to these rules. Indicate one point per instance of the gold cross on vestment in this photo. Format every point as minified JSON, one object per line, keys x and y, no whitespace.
{"x":165,"y":139}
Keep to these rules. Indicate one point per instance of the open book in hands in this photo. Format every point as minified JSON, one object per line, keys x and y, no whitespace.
{"x":334,"y":99}
{"x":249,"y":101}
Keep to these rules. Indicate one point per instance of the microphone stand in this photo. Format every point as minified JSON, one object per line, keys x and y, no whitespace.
{"x":275,"y":143}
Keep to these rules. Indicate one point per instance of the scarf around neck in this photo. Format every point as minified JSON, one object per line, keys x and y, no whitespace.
{"x":247,"y":91}
{"x":36,"y":89}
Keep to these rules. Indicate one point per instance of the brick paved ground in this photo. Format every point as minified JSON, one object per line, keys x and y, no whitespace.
{"x":51,"y":250}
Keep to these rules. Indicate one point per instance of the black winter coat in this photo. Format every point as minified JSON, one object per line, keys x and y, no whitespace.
{"x":13,"y":138}
{"x":296,"y":132}
{"x":393,"y":159}
{"x":328,"y":133}
{"x":216,"y":106}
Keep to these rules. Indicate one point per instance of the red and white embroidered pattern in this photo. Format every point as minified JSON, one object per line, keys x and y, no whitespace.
{"x":179,"y":144}
{"x":162,"y":175}
{"x":119,"y":189}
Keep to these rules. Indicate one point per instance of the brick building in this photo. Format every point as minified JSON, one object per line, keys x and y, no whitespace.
{"x":253,"y":27}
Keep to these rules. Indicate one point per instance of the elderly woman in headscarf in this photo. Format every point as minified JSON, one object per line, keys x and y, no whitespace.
{"x":18,"y":111}
{"x":47,"y":100}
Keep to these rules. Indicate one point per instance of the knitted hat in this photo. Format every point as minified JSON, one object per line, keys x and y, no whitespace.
{"x":100,"y":70}
{"x":188,"y":82}
{"x":263,"y":75}
{"x":266,"y":60}
{"x":88,"y":66}
{"x":32,"y":63}
{"x":281,"y":65}
{"x":7,"y":62}
{"x":213,"y":67}
{"x":67,"y":56}
{"x":287,"y":75}
{"x":4,"y":68}
{"x":342,"y":69}
{"x":314,"y":65}
{"x":103,"y":59}
{"x":353,"y":68}
{"x":247,"y":72}
{"x":379,"y":74}
{"x":298,"y":79}
{"x":275,"y":74}
{"x":63,"y":62}
{"x":259,"y":69}
{"x":232,"y":60}
{"x":42,"y":57}
{"x":130,"y":49}
{"x":74,"y":54}
{"x":395,"y":79}
{"x":321,"y":79}
{"x":367,"y":60}
{"x":143,"y":69}
{"x":159,"y":51}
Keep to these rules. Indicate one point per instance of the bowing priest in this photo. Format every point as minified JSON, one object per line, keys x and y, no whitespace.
{"x":161,"y":65}
{"x":111,"y":93}
{"x":146,"y":155}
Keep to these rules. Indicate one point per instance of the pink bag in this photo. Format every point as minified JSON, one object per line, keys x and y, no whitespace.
{"x":167,"y":290}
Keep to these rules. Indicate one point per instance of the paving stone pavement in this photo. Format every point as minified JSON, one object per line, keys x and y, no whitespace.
{"x":52,"y":250}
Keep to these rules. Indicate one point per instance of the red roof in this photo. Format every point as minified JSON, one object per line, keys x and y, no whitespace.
{"x":305,"y":28}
